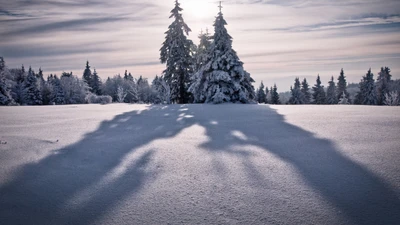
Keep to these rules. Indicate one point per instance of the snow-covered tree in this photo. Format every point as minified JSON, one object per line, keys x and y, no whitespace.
{"x":341,"y":86}
{"x":96,"y":83}
{"x":318,"y":94}
{"x":144,"y":90}
{"x":344,"y":100}
{"x":331,"y":95}
{"x":222,"y":78}
{"x":383,"y":83}
{"x":128,"y":76}
{"x":75,"y":89}
{"x":202,"y":50}
{"x":5,"y":90}
{"x":392,"y":98}
{"x":176,"y":52}
{"x":305,"y":89}
{"x":367,"y":93}
{"x":87,"y":74}
{"x":261,"y":96}
{"x":274,"y":95}
{"x":32,"y":94}
{"x":297,"y":96}
{"x":121,"y":94}
{"x":57,"y":96}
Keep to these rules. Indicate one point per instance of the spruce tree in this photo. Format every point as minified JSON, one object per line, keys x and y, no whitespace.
{"x":383,"y":83}
{"x":274,"y":95}
{"x":367,"y":93}
{"x":341,"y":86}
{"x":344,"y":100}
{"x":318,"y":94}
{"x":331,"y":94}
{"x":96,"y":83}
{"x":222,"y":77}
{"x":5,"y":95}
{"x":87,"y":74}
{"x":202,"y":50}
{"x":305,"y":89}
{"x":32,"y":94}
{"x":266,"y":95}
{"x":176,"y":52}
{"x":58,"y":96}
{"x":297,"y":96}
{"x":261,"y":96}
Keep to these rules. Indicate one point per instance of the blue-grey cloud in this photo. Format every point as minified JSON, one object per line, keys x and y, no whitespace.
{"x":61,"y":26}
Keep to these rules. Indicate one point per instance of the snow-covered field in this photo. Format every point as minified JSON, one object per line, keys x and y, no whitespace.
{"x":199,"y":164}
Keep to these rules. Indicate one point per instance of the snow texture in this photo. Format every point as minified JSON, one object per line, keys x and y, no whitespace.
{"x":199,"y":164}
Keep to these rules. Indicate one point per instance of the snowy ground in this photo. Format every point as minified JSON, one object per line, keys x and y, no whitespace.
{"x":199,"y":164}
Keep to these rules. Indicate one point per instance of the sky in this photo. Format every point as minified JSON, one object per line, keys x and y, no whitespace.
{"x":276,"y":40}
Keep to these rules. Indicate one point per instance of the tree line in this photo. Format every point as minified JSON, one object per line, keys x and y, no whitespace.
{"x":383,"y":91}
{"x":21,"y":87}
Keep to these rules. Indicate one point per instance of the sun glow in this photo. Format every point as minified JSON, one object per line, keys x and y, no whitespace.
{"x":199,"y":9}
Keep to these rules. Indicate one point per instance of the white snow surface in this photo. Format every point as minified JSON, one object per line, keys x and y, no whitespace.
{"x":199,"y":164}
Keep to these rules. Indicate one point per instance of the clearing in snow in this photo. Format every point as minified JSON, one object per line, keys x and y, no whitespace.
{"x":199,"y":164}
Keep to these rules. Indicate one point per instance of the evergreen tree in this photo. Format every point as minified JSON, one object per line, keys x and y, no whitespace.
{"x":202,"y":50}
{"x":297,"y":96}
{"x":144,"y":91}
{"x":96,"y":83}
{"x":87,"y":74}
{"x":305,"y":89}
{"x":318,"y":94}
{"x":5,"y":90}
{"x":274,"y":95}
{"x":331,"y":95}
{"x":58,"y":96}
{"x":341,"y":86}
{"x":32,"y":94}
{"x":261,"y":96}
{"x":222,"y":77}
{"x":176,"y":53}
{"x":383,"y":85}
{"x":266,"y":95}
{"x":367,"y":93}
{"x":344,"y":100}
{"x":17,"y":90}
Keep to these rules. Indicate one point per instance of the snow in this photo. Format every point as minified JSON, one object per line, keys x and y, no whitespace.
{"x":199,"y":164}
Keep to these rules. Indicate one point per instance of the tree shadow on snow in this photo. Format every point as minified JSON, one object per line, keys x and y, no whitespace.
{"x":80,"y":183}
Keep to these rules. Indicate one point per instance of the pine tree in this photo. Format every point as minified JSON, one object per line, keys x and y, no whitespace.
{"x":266,"y":95}
{"x":261,"y":96}
{"x":202,"y":50}
{"x":58,"y":96}
{"x":383,"y":85}
{"x":274,"y":95}
{"x":17,"y":90}
{"x":222,"y":77}
{"x":176,"y":53}
{"x":5,"y":90}
{"x":32,"y":94}
{"x":367,"y":93}
{"x":342,"y":86}
{"x":319,"y":92}
{"x":87,"y":74}
{"x":331,"y":95}
{"x":297,"y":96}
{"x":305,"y":89}
{"x":96,"y":83}
{"x":344,"y":100}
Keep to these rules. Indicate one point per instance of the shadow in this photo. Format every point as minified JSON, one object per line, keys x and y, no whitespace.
{"x":78,"y":184}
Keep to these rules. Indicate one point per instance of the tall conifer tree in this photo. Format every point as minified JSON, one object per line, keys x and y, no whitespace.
{"x":222,"y":78}
{"x":176,"y":52}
